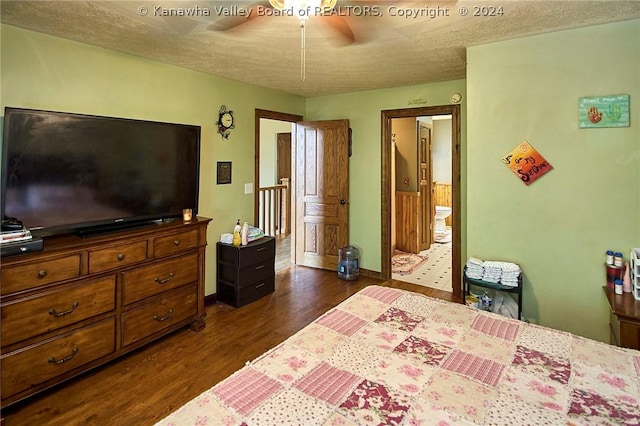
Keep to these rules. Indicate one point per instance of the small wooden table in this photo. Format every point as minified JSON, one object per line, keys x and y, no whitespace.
{"x":624,"y":320}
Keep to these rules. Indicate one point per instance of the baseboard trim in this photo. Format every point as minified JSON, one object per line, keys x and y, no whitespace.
{"x":210,"y":299}
{"x":370,"y":274}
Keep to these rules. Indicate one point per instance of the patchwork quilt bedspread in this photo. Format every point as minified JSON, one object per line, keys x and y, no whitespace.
{"x":392,"y":357}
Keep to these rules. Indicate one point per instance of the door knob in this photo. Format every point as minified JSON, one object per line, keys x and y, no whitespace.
{"x":343,"y":201}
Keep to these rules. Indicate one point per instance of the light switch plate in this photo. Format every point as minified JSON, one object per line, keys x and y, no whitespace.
{"x":248,"y":188}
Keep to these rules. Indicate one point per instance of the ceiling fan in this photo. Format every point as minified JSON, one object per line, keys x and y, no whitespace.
{"x":337,"y":18}
{"x":332,"y":15}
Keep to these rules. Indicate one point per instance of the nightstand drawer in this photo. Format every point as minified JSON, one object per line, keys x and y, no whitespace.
{"x":168,"y":309}
{"x":36,"y":365}
{"x":117,"y":256}
{"x":31,"y":275}
{"x":241,"y":256}
{"x":245,"y":276}
{"x":177,"y":243}
{"x":148,"y":281}
{"x":239,"y":297}
{"x":256,"y":290}
{"x":257,"y":272}
{"x":51,"y":311}
{"x":256,"y":252}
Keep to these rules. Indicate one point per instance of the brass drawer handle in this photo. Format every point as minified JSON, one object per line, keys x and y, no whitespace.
{"x":176,"y":242}
{"x":55,"y":361}
{"x":42,"y":273}
{"x":53,"y":312}
{"x":259,"y":267}
{"x":121,"y":257}
{"x":164,"y":318}
{"x":261,"y":248}
{"x":260,"y":285}
{"x":164,"y":281}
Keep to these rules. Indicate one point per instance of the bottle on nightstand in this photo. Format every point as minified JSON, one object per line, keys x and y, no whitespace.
{"x":237,"y":239}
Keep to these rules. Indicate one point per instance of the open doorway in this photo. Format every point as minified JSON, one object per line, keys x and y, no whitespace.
{"x":389,"y":188}
{"x":421,"y":236}
{"x":318,"y":190}
{"x":272,"y":197}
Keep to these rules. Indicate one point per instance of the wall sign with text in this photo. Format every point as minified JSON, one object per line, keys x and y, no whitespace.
{"x":224,"y":172}
{"x":526,"y":163}
{"x":603,"y":111}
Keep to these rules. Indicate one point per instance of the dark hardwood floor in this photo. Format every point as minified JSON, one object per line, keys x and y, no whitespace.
{"x":146,"y":385}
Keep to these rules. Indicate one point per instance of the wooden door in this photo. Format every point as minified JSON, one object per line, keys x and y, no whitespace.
{"x":425,"y":187}
{"x":322,"y":192}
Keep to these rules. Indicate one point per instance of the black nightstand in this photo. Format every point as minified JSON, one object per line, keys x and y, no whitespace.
{"x":244,"y":274}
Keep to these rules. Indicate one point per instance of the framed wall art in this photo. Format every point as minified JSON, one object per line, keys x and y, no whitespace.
{"x":526,"y":163}
{"x":224,"y":172}
{"x":603,"y":111}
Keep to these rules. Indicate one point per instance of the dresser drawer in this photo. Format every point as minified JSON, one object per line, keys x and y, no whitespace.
{"x":31,"y":367}
{"x":177,"y":243}
{"x":168,"y":309}
{"x":614,"y":324}
{"x":147,"y":281}
{"x":30,"y":275}
{"x":117,"y":256}
{"x":53,"y":310}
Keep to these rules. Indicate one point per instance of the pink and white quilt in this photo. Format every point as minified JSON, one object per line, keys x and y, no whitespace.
{"x":392,"y":357}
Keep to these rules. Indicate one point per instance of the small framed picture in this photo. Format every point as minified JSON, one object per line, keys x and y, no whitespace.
{"x":224,"y":172}
{"x":603,"y":111}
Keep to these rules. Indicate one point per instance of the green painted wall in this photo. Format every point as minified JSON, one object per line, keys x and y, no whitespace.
{"x":526,"y":89}
{"x":558,"y":228}
{"x":363,"y":109}
{"x":269,"y":130}
{"x":44,"y":72}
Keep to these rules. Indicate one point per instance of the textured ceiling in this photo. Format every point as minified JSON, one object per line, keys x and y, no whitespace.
{"x":362,"y":45}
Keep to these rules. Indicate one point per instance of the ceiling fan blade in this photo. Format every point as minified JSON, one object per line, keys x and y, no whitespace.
{"x":180,"y":25}
{"x":339,"y":25}
{"x":231,"y":22}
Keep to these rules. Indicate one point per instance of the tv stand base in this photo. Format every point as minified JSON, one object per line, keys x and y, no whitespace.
{"x":107,"y":229}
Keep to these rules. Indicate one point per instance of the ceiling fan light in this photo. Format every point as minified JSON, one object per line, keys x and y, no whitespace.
{"x":278,"y":4}
{"x":303,"y":4}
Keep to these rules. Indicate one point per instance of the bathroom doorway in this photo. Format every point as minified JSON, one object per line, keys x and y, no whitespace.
{"x":444,"y":183}
{"x":427,"y":150}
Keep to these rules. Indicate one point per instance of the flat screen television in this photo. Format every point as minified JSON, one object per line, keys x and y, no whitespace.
{"x":66,"y":172}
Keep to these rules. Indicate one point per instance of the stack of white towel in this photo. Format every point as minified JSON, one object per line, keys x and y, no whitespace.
{"x":510,"y":274}
{"x":475,"y":268}
{"x":505,"y":273}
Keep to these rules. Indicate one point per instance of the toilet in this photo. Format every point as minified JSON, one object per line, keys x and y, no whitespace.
{"x":442,"y":234}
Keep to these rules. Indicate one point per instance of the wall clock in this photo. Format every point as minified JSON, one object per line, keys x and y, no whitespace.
{"x":456,"y":98}
{"x":225,"y":122}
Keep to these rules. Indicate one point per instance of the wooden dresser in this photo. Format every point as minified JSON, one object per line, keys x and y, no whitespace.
{"x":82,"y":302}
{"x":245,"y":273}
{"x":624,"y":319}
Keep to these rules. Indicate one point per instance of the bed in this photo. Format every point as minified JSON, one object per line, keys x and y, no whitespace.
{"x":387,"y":356}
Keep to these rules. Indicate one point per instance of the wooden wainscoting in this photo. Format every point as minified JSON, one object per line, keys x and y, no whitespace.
{"x":408,"y":221}
{"x":442,"y":197}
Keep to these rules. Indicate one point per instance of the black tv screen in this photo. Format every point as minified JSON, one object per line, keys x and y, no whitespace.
{"x":63,"y":171}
